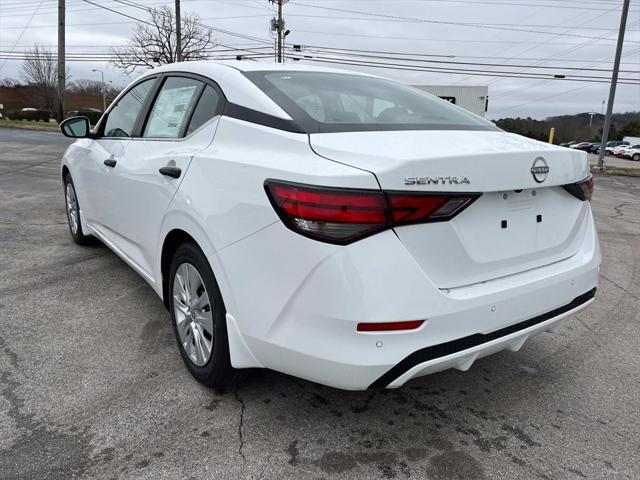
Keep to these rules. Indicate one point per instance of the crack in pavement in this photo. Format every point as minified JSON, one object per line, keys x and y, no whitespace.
{"x":619,"y":213}
{"x":240,"y":424}
{"x":621,"y":288}
{"x":581,"y":322}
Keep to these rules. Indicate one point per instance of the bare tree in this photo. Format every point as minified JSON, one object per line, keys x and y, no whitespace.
{"x":85,"y":86}
{"x":154,"y":43}
{"x":40,"y":70}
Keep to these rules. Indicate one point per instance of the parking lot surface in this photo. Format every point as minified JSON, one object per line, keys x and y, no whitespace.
{"x":614,"y":162}
{"x":92,"y":384}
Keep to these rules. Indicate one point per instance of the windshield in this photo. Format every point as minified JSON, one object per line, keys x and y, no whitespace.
{"x":336,"y":102}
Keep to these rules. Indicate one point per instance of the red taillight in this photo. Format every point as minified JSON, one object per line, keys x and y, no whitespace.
{"x":332,"y":215}
{"x":408,"y":208}
{"x":342,"y":216}
{"x":389,"y":326}
{"x":582,"y":190}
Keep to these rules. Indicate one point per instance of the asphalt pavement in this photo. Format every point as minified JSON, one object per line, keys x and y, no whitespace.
{"x":614,"y":162}
{"x":92,"y":384}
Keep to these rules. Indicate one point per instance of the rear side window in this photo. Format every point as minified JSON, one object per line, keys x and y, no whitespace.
{"x":337,"y":102}
{"x":172,"y":108}
{"x":122,"y":117}
{"x":208,"y":107}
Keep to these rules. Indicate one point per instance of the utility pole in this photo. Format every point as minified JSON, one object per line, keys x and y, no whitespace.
{"x":277,"y":25}
{"x":612,"y":88}
{"x":61,"y":63}
{"x":280,"y":28}
{"x":178,"y":33}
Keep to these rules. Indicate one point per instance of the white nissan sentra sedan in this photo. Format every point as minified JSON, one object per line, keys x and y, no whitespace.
{"x":335,"y":226}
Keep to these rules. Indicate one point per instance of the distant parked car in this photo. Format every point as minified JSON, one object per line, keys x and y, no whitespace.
{"x":579,"y":146}
{"x":568,"y":144}
{"x":595,"y":147}
{"x":30,"y":113}
{"x":633,"y":152}
{"x":93,"y":114}
{"x":584,"y":146}
{"x":611,"y":146}
{"x":624,"y":151}
{"x":619,"y":150}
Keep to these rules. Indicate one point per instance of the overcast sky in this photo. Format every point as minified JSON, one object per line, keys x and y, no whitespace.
{"x":562,"y":34}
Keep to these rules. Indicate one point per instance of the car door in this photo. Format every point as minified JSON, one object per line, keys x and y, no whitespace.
{"x":95,"y":173}
{"x":180,"y":123}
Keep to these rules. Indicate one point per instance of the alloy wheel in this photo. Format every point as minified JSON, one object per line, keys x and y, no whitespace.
{"x":72,"y":207}
{"x":192,"y":310}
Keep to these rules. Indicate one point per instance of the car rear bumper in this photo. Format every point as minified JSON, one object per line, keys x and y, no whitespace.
{"x":298,"y":306}
{"x":463,"y":352}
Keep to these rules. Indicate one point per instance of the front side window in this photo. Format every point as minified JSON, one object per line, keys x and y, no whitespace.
{"x":122,"y":117}
{"x":336,"y":102}
{"x":172,"y":108}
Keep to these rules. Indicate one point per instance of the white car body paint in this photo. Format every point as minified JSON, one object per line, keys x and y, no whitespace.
{"x":293,"y":303}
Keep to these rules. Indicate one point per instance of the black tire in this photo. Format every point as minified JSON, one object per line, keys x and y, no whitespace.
{"x":217,"y":372}
{"x":636,"y":157}
{"x":78,"y":235}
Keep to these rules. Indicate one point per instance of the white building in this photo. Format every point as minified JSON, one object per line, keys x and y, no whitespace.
{"x":474,"y":99}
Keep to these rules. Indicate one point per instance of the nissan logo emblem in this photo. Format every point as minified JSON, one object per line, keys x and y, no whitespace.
{"x":539,"y":170}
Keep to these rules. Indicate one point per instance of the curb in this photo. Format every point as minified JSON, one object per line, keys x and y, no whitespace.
{"x":31,"y":127}
{"x":616,"y":171}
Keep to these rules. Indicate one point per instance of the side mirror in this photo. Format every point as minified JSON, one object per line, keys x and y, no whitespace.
{"x":75,"y":127}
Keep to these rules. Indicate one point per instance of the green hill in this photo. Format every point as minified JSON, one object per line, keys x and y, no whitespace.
{"x":574,"y":127}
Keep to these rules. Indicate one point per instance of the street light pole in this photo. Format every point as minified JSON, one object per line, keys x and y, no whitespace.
{"x":612,"y":88}
{"x":104,"y":99}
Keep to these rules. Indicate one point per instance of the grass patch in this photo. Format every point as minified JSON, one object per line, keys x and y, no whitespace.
{"x":5,"y":122}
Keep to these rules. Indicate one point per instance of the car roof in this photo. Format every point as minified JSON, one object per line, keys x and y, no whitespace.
{"x":253,"y":66}
{"x":238,"y":89}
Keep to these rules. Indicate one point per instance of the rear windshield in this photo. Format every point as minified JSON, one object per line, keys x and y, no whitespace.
{"x":335,"y":102}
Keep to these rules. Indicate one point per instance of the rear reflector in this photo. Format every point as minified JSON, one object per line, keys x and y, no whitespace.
{"x":582,"y":190}
{"x":389,"y":326}
{"x":342,"y":216}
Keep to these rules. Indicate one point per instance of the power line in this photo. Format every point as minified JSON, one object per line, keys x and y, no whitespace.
{"x":119,"y":13}
{"x":440,"y":22}
{"x":378,"y":55}
{"x":512,"y":3}
{"x":549,"y":39}
{"x":565,"y":51}
{"x":22,"y":32}
{"x":469,"y":24}
{"x":449,"y":70}
{"x":426,"y":39}
{"x":543,"y":82}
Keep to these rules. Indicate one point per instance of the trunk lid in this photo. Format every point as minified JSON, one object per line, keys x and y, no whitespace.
{"x":517,"y":224}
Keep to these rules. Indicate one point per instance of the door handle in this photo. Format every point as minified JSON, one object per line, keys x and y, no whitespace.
{"x":173,"y":172}
{"x":110,"y":162}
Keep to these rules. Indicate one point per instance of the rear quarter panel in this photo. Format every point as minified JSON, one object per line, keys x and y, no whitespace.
{"x":222,"y":199}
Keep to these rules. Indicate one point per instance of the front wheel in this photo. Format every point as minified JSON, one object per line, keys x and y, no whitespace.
{"x":199,"y":317}
{"x":636,"y":157}
{"x":73,"y":213}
